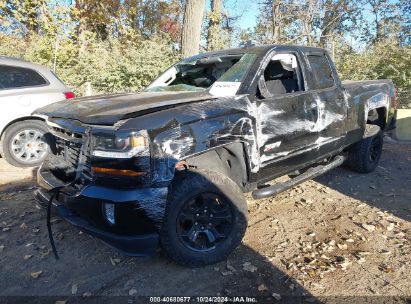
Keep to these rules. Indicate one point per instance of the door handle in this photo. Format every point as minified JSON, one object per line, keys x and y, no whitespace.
{"x":313,"y":106}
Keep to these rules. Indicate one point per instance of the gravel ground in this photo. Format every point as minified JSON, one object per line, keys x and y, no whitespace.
{"x":341,"y":235}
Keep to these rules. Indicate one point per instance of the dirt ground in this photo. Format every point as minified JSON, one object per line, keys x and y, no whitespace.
{"x":341,"y":235}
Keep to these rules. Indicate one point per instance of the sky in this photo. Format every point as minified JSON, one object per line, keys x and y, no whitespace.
{"x":248,"y":10}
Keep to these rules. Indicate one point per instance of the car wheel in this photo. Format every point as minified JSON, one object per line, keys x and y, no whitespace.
{"x":364,"y":156}
{"x":24,"y":144}
{"x":205,"y":218}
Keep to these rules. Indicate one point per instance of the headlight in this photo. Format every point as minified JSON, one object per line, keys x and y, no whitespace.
{"x":113,"y":145}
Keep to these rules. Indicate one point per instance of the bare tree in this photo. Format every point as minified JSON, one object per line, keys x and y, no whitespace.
{"x":193,"y":19}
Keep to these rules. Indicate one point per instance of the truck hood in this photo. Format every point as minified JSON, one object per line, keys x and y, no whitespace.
{"x":109,"y":109}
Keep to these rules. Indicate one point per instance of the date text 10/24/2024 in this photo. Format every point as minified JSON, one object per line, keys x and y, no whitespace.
{"x":205,"y":299}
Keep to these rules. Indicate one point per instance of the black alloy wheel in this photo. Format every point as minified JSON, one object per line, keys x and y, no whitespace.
{"x":204,"y":221}
{"x":205,"y":218}
{"x":375,"y":148}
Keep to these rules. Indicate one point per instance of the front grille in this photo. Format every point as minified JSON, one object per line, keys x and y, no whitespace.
{"x":66,"y":152}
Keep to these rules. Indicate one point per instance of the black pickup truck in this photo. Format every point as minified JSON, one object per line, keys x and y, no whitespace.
{"x":170,"y":165}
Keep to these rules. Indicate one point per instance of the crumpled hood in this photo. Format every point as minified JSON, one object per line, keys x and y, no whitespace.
{"x":109,"y":109}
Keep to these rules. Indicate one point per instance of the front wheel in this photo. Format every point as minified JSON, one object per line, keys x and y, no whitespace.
{"x":205,"y":218}
{"x":24,"y":144}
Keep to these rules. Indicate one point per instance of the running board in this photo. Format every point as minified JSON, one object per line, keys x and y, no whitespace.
{"x":309,"y":174}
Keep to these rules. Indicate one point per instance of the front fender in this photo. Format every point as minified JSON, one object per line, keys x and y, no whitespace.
{"x":188,"y":130}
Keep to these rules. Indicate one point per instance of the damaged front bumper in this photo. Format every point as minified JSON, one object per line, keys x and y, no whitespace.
{"x":138,"y":213}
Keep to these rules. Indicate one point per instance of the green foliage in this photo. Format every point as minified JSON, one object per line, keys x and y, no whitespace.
{"x":24,"y":12}
{"x":111,"y":66}
{"x":84,"y":45}
{"x":123,"y":45}
{"x":383,"y":60}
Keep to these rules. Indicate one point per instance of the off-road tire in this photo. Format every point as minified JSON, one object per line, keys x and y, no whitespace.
{"x":363,"y":157}
{"x":187,"y":184}
{"x":9,"y":134}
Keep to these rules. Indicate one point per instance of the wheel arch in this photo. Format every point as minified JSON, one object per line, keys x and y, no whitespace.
{"x":230,"y":159}
{"x":377,"y":116}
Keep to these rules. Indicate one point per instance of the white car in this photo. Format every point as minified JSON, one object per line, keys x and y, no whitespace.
{"x":24,"y":87}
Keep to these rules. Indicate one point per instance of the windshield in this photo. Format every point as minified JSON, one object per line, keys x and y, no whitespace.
{"x":221,"y":74}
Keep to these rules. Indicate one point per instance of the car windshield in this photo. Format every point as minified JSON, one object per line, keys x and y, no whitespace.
{"x":203,"y":73}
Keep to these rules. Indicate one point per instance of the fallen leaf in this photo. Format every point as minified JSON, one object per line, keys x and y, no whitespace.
{"x":345,"y":264}
{"x":28,"y":256}
{"x":262,"y":287}
{"x":61,"y":302}
{"x":342,"y":246}
{"x":368,"y":227}
{"x":226,"y":273}
{"x":230,"y":267}
{"x":276,"y":296}
{"x":390,"y":227}
{"x":360,"y":259}
{"x":373,"y":187}
{"x":323,"y":256}
{"x":6,"y":229}
{"x":23,"y":226}
{"x":74,"y":289}
{"x":35,"y":230}
{"x":114,"y":261}
{"x":87,"y":294}
{"x":248,"y":267}
{"x":132,"y":292}
{"x":385,"y":268}
{"x":304,"y":200}
{"x":43,"y":254}
{"x":275,"y":221}
{"x":36,"y":274}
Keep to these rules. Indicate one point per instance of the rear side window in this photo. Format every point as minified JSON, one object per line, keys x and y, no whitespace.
{"x":12,"y":77}
{"x":321,"y":71}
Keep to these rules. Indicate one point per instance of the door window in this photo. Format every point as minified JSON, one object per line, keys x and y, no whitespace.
{"x":282,"y":75}
{"x":15,"y":77}
{"x":321,"y":70}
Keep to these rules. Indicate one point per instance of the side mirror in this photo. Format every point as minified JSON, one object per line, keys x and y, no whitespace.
{"x":262,"y":87}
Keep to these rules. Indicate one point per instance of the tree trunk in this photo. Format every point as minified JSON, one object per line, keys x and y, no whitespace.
{"x":193,"y":19}
{"x":277,"y":22}
{"x":214,"y":28}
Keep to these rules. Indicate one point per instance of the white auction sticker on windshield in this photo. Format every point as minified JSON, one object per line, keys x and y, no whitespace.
{"x":224,"y":88}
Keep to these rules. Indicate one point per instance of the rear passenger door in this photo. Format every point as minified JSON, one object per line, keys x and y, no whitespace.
{"x":331,"y":104}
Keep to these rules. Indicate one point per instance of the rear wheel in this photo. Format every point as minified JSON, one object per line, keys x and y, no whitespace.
{"x":24,"y":144}
{"x":205,"y":219}
{"x":364,"y":156}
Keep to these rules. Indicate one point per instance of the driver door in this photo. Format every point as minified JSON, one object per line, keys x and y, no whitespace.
{"x":287,"y":116}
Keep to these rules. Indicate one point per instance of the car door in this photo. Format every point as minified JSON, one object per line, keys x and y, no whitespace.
{"x":287,"y":120}
{"x":332,"y":105}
